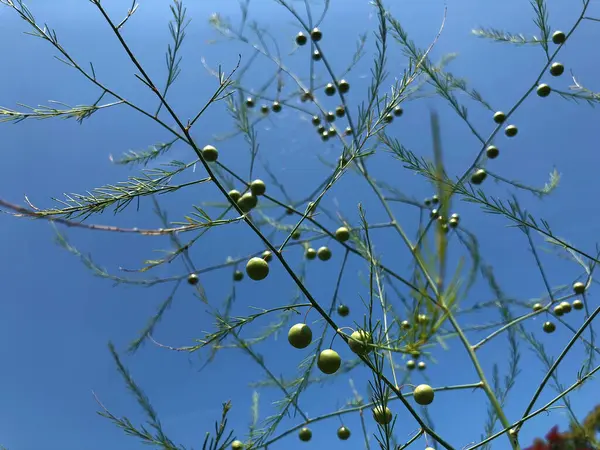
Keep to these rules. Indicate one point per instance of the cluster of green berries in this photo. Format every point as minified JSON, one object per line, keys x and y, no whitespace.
{"x":305,"y":434}
{"x":563,"y":307}
{"x":543,"y":90}
{"x":434,"y":213}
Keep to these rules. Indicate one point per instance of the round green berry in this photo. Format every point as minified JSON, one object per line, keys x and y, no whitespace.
{"x":549,"y":327}
{"x":267,"y":255}
{"x":543,"y":90}
{"x":257,"y":269}
{"x":342,"y":234}
{"x":382,"y":415}
{"x":330,"y":89}
{"x":499,"y":117}
{"x":258,"y":187}
{"x":559,"y":37}
{"x":343,"y":86}
{"x":537,"y":307}
{"x":405,"y":324}
{"x":398,"y":111}
{"x":492,"y":151}
{"x":237,"y":445}
{"x":305,"y":434}
{"x":329,"y":361}
{"x":478,"y":176}
{"x":343,"y":310}
{"x":511,"y":131}
{"x":276,"y":106}
{"x":247,"y":202}
{"x":264,"y":109}
{"x":296,"y":234}
{"x":250,"y":104}
{"x":558,"y":310}
{"x":192,"y":279}
{"x":324,"y":254}
{"x":330,"y":116}
{"x":317,"y":55}
{"x":210,"y":153}
{"x":340,"y":111}
{"x":410,"y":364}
{"x":422,"y":365}
{"x":359,"y":342}
{"x":577,"y":304}
{"x":579,"y":288}
{"x":300,"y":336}
{"x":235,"y":195}
{"x":424,"y":394}
{"x":301,"y":39}
{"x":388,"y":118}
{"x":316,"y":120}
{"x":566,"y":307}
{"x":316,"y":35}
{"x":557,"y":69}
{"x":343,"y":433}
{"x":238,"y":275}
{"x":310,"y":253}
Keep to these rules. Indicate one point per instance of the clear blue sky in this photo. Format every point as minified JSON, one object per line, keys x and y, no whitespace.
{"x":56,"y":318}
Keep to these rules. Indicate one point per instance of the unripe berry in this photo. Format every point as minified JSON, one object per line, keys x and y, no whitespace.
{"x":578,"y":288}
{"x":301,"y":39}
{"x":343,"y":433}
{"x":257,"y":269}
{"x":329,"y":361}
{"x":210,"y":153}
{"x":478,"y":176}
{"x":258,"y":187}
{"x":499,"y":117}
{"x":342,"y":234}
{"x":343,"y":86}
{"x":511,"y":131}
{"x":556,"y":69}
{"x":559,"y":37}
{"x":543,"y":90}
{"x":549,"y":327}
{"x":424,"y":394}
{"x":324,"y":254}
{"x":305,"y":434}
{"x":192,"y":279}
{"x":316,"y":34}
{"x":382,"y":416}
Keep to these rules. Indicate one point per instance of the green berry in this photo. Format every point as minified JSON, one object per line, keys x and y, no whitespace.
{"x":330,"y":116}
{"x":566,"y":307}
{"x":556,"y":69}
{"x":422,"y":365}
{"x":237,"y":445}
{"x":317,"y":55}
{"x":267,"y":255}
{"x":537,"y":306}
{"x":250,"y":104}
{"x":301,"y":39}
{"x":329,"y":361}
{"x":478,"y":176}
{"x":405,"y":324}
{"x":258,"y":187}
{"x":453,"y":222}
{"x":499,"y":117}
{"x":300,"y":336}
{"x":311,"y":253}
{"x":324,"y":253}
{"x":382,"y":416}
{"x":305,"y":434}
{"x":296,"y":234}
{"x":330,"y":89}
{"x":340,"y":111}
{"x":192,"y":279}
{"x":238,"y":275}
{"x":549,"y":327}
{"x":276,"y":107}
{"x":235,"y":195}
{"x":577,"y":304}
{"x":388,"y":118}
{"x":257,"y":269}
{"x":423,"y":319}
{"x":264,"y":109}
{"x":579,"y":288}
{"x":316,"y":34}
{"x":343,"y":433}
{"x":398,"y":111}
{"x":543,"y":90}
{"x":511,"y":131}
{"x":410,"y":364}
{"x":342,"y":234}
{"x":359,"y":342}
{"x":210,"y":153}
{"x":343,"y":310}
{"x":424,"y":394}
{"x":316,"y":120}
{"x":332,"y":131}
{"x":492,"y":151}
{"x":247,"y":202}
{"x":559,"y":37}
{"x":558,"y":310}
{"x":343,"y":86}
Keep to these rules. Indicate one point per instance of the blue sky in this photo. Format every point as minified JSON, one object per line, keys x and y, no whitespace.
{"x":56,"y":318}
